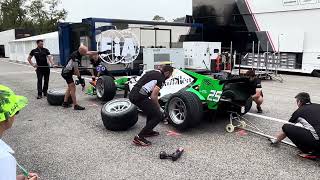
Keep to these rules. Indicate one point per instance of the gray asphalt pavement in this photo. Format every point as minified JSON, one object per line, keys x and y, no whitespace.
{"x":63,"y":144}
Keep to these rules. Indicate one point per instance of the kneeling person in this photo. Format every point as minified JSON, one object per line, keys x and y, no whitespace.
{"x":257,"y":94}
{"x":95,"y":62}
{"x":305,"y":128}
{"x":145,"y":95}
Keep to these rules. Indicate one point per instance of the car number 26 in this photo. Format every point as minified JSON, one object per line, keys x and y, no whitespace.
{"x":214,"y":96}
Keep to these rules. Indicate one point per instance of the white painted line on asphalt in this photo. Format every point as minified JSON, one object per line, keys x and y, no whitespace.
{"x":268,"y":118}
{"x":268,"y":136}
{"x":29,"y":66}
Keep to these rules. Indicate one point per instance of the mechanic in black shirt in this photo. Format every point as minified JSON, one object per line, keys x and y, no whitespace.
{"x":144,"y":95}
{"x":304,"y":127}
{"x":95,"y":62}
{"x":42,"y":55}
{"x":256,"y":83}
{"x":70,"y":69}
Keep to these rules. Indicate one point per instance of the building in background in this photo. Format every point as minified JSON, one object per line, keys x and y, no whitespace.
{"x":10,"y":35}
{"x":264,"y":27}
{"x":20,"y":49}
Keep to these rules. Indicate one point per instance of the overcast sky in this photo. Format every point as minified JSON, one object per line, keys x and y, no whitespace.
{"x":126,"y":9}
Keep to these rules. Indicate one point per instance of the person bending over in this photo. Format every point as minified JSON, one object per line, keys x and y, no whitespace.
{"x":145,"y":96}
{"x":70,"y":69}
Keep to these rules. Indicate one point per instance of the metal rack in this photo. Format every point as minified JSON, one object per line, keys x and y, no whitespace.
{"x":266,"y":64}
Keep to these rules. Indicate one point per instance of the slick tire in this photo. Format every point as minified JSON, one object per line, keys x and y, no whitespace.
{"x":119,"y":114}
{"x":106,"y":88}
{"x":55,"y":97}
{"x":184,"y":110}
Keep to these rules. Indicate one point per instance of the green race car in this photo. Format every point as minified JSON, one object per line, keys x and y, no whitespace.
{"x":185,"y":97}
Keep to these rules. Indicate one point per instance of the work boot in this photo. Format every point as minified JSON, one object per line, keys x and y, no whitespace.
{"x":141,"y":141}
{"x":66,"y":105}
{"x":259,"y":109}
{"x":77,"y":107}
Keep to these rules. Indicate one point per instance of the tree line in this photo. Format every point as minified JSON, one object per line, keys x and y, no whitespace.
{"x":36,"y":15}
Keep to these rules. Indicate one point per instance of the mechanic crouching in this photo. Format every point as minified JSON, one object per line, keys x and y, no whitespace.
{"x":256,"y":84}
{"x":145,"y":96}
{"x":304,"y":129}
{"x":95,"y":62}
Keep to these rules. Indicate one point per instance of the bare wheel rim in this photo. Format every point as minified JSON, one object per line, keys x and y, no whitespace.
{"x":118,"y":106}
{"x":100,"y":88}
{"x":177,"y":110}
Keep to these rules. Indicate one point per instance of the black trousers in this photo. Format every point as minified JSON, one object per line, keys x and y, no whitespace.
{"x":302,"y":138}
{"x":43,"y":74}
{"x":150,"y":108}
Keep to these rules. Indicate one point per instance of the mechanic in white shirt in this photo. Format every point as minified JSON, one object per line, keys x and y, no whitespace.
{"x":10,"y":105}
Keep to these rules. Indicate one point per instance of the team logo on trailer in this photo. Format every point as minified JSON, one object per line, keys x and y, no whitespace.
{"x":120,"y":46}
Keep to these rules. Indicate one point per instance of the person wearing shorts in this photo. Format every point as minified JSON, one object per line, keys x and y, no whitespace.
{"x":70,"y":69}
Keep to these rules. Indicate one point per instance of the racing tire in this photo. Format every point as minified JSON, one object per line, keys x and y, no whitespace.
{"x":55,"y":97}
{"x":106,"y":88}
{"x":119,"y":115}
{"x":241,"y":102}
{"x":184,"y":110}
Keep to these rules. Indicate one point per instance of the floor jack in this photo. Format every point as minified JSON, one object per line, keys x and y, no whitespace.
{"x":237,"y":121}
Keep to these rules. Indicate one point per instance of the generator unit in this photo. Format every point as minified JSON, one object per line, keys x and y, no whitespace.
{"x":200,"y":55}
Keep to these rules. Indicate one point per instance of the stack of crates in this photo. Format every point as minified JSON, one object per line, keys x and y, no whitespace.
{"x":287,"y":61}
